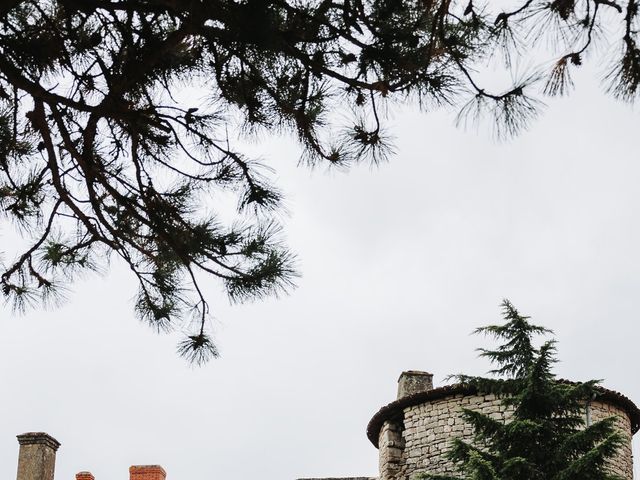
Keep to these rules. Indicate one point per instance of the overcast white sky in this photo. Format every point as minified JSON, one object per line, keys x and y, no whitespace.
{"x":399,"y":264}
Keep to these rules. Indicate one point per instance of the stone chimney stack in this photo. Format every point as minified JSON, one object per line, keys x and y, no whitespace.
{"x":412,"y":381}
{"x":37,"y":457}
{"x":147,"y":472}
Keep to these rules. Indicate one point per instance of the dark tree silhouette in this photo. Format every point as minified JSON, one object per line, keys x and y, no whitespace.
{"x":104,"y":149}
{"x":547,"y":437}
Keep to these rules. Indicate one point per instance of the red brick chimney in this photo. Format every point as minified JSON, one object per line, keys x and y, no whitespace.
{"x":84,"y":476}
{"x":146,"y":472}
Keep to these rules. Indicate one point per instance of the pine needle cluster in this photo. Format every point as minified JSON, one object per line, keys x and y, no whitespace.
{"x":105,"y":149}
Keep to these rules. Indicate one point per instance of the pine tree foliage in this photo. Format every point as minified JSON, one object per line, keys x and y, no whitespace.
{"x":117,"y":120}
{"x":546,"y":437}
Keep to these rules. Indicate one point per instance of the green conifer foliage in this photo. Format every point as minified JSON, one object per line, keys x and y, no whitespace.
{"x":546,"y":437}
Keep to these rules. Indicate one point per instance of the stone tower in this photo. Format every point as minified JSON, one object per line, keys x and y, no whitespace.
{"x":414,"y":432}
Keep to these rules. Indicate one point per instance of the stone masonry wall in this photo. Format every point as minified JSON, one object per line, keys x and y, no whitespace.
{"x":622,"y":463}
{"x":418,"y":442}
{"x":391,"y":447}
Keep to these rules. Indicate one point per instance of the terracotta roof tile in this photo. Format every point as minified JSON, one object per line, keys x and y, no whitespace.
{"x":395,"y":409}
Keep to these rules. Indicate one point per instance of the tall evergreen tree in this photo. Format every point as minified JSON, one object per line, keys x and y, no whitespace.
{"x":104,"y":148}
{"x":546,"y":438}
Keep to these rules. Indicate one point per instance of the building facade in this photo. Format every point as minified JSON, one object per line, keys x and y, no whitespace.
{"x":37,"y":461}
{"x":414,"y":432}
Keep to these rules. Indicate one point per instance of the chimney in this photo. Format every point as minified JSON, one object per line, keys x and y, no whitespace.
{"x":146,"y":472}
{"x":85,"y":476}
{"x":37,"y":457}
{"x":412,"y":381}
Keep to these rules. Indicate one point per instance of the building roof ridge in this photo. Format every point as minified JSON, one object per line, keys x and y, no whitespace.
{"x":395,"y":409}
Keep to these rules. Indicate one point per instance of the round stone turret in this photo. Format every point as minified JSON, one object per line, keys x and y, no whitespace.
{"x":414,"y":432}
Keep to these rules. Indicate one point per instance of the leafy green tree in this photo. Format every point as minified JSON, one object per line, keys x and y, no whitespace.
{"x":115,"y":118}
{"x":546,"y":437}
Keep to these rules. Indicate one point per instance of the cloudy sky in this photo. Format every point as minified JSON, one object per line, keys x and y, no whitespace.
{"x":399,"y":264}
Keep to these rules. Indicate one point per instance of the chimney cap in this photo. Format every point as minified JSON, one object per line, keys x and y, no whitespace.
{"x":84,"y":474}
{"x":38,"y":438}
{"x":415,"y":373}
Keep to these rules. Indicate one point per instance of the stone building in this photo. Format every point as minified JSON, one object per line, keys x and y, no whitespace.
{"x":37,"y":461}
{"x":413,"y":433}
